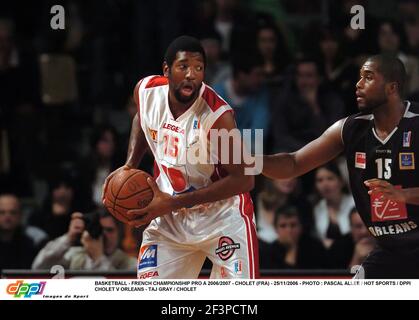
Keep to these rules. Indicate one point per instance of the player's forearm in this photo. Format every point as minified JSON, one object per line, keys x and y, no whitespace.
{"x":136,"y":147}
{"x":279,"y":166}
{"x":411,"y":196}
{"x":219,"y":190}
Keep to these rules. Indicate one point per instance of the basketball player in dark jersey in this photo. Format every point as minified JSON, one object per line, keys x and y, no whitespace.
{"x":381,"y":146}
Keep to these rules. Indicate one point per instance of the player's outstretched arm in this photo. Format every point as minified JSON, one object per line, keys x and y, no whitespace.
{"x":314,"y":154}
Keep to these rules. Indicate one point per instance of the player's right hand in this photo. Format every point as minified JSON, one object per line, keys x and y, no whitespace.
{"x":109,"y":177}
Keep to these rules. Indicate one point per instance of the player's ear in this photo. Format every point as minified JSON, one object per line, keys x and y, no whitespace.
{"x":165,"y":69}
{"x":392,"y":88}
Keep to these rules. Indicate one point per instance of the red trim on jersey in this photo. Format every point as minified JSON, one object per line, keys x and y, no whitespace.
{"x":213,"y":99}
{"x":156,"y":170}
{"x":246,"y":211}
{"x":157,"y":81}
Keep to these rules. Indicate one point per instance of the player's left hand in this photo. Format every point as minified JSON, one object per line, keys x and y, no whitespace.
{"x":161,"y":204}
{"x":386,"y":188}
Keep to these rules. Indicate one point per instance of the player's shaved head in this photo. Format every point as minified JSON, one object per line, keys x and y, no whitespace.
{"x":183,"y":43}
{"x":392,"y":69}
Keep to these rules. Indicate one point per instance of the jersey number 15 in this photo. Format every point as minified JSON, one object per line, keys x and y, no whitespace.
{"x":383,"y":168}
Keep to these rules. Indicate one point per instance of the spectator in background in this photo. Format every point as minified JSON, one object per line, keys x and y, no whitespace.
{"x":101,"y":254}
{"x":353,"y":248}
{"x":339,"y":70}
{"x":392,"y":40}
{"x":103,"y":159}
{"x":216,"y":69}
{"x":20,"y":126}
{"x":331,"y":213}
{"x":304,"y":109}
{"x":408,"y":15}
{"x":245,"y":92}
{"x":235,"y":24}
{"x":267,"y":203}
{"x":55,"y":215}
{"x":272,"y":49}
{"x":293,"y":249}
{"x":356,"y":42}
{"x":276,"y":194}
{"x":17,"y":248}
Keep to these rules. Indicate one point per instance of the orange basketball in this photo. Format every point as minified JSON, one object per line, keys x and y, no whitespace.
{"x":127,"y":190}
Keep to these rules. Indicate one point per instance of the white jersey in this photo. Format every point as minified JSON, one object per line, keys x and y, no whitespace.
{"x":171,"y":139}
{"x":225,"y":225}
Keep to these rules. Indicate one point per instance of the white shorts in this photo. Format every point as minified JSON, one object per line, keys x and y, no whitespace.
{"x":176,"y":245}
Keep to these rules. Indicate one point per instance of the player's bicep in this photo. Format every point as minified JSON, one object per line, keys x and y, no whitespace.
{"x":320,"y":151}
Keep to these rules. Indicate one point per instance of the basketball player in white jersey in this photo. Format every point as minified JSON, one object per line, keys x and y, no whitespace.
{"x":198,"y":210}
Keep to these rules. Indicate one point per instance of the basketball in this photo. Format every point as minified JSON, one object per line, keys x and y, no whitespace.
{"x":127,"y":190}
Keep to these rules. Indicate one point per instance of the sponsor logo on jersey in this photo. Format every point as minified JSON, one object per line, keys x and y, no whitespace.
{"x":226,"y":248}
{"x":397,"y":228}
{"x":238,"y":267}
{"x":150,"y":274}
{"x":26,"y":290}
{"x":153,"y":134}
{"x":148,"y":256}
{"x":360,"y":160}
{"x":407,"y":160}
{"x":406,"y":139}
{"x":196,"y":124}
{"x":385,"y":210}
{"x":174,"y":128}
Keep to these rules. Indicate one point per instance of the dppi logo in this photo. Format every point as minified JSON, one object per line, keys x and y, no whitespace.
{"x":27,"y":290}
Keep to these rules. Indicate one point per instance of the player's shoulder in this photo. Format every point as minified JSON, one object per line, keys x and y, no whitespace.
{"x":214,"y":102}
{"x":152,"y":81}
{"x":358,"y":119}
{"x":413,"y":110}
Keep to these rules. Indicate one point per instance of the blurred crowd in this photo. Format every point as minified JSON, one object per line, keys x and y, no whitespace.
{"x":288,"y":67}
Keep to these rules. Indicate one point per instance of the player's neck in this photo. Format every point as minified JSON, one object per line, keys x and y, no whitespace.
{"x":178,"y":108}
{"x":388,"y":116}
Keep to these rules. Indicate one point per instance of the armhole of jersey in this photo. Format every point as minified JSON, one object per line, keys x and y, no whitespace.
{"x":137,"y":93}
{"x":218,"y":118}
{"x":143,"y":83}
{"x":341,"y":131}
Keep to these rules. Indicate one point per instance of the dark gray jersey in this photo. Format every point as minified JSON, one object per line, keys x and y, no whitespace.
{"x":393,"y":224}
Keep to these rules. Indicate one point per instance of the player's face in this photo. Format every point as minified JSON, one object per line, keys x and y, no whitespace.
{"x":186,"y":76}
{"x":370,"y":89}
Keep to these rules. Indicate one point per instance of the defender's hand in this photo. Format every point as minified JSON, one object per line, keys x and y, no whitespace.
{"x":386,"y":188}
